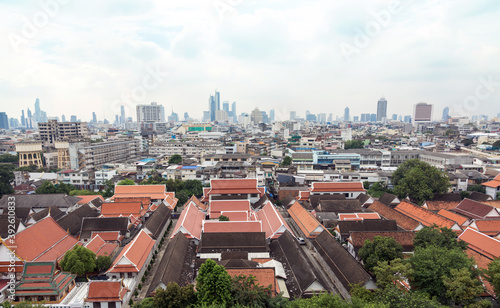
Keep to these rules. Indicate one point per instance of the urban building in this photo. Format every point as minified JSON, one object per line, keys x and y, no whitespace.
{"x":53,"y":131}
{"x":4,"y":121}
{"x":422,"y":113}
{"x":94,"y":156}
{"x":150,"y":114}
{"x":30,"y":153}
{"x":381,"y":109}
{"x":346,"y":114}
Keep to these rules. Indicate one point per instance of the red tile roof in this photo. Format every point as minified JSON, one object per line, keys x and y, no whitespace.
{"x":303,"y":195}
{"x":106,"y":291}
{"x":115,"y":209}
{"x":264,"y":276}
{"x":459,"y":219}
{"x":190,"y":222}
{"x":108,"y":236}
{"x":402,"y":220}
{"x":476,"y":210}
{"x":424,"y":216}
{"x":215,"y":226}
{"x":358,"y":216}
{"x":134,"y":255}
{"x":42,"y":241}
{"x":98,"y":246}
{"x":440,"y":205}
{"x":336,"y":186}
{"x":217,"y":206}
{"x":146,"y":201}
{"x":493,"y":183}
{"x":87,"y":198}
{"x":481,"y":243}
{"x":233,"y":186}
{"x":151,"y":191}
{"x":489,"y":227}
{"x":236,"y":216}
{"x":309,"y":225}
{"x":272,"y":222}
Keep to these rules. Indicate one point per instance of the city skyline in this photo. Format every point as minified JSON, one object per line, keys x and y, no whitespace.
{"x":244,"y":50}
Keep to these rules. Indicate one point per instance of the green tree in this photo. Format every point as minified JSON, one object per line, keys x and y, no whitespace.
{"x":493,"y":274}
{"x":435,"y":236}
{"x":46,"y":188}
{"x":79,"y":261}
{"x":8,"y":158}
{"x":103,"y":263}
{"x":126,"y":182}
{"x":82,"y":192}
{"x":461,"y":287}
{"x":148,"y":302}
{"x":223,"y":218}
{"x":432,"y":263}
{"x":387,"y":272}
{"x":419,"y":181}
{"x":395,"y":298}
{"x":109,"y":190}
{"x":247,"y":292}
{"x":175,"y":159}
{"x":467,"y":142}
{"x":379,"y":249}
{"x":477,"y":187}
{"x":464,"y":194}
{"x":354,"y":144}
{"x":287,"y":161}
{"x":213,"y":284}
{"x":378,"y":189}
{"x":6,"y":177}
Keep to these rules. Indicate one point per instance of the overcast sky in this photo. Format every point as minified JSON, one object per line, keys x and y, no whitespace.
{"x":84,"y":56}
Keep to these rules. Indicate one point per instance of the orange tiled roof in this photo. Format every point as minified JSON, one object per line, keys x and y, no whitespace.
{"x":481,"y":243}
{"x":264,"y":276}
{"x":42,"y":241}
{"x":426,"y":217}
{"x":305,"y":220}
{"x":146,"y":201}
{"x":190,"y":222}
{"x":489,"y":227}
{"x":272,"y":222}
{"x":105,"y":291}
{"x":217,"y":206}
{"x":482,"y":263}
{"x":134,"y":254}
{"x":233,"y":186}
{"x":88,"y":198}
{"x":459,"y":219}
{"x":151,"y":191}
{"x":493,"y":183}
{"x":336,"y":186}
{"x":236,"y":216}
{"x":402,"y":220}
{"x":440,"y":205}
{"x":115,"y":209}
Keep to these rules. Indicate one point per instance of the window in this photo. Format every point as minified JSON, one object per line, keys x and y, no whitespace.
{"x":111,"y":305}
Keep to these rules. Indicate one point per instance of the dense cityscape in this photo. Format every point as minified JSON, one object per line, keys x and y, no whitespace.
{"x":249,"y":154}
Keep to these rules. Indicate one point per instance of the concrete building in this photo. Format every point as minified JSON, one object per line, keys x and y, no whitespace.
{"x":381,"y":109}
{"x":53,"y":131}
{"x":30,"y":153}
{"x":150,"y":114}
{"x":94,"y":156}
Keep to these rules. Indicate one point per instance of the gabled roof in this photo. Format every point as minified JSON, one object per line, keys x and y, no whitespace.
{"x":272,"y":222}
{"x":233,"y":186}
{"x":424,"y":216}
{"x":298,"y":271}
{"x":306,"y":222}
{"x":106,"y":291}
{"x":218,"y":206}
{"x":99,"y":224}
{"x":24,"y":203}
{"x":479,"y":196}
{"x":214,"y":226}
{"x":42,"y":279}
{"x":489,"y":227}
{"x":156,"y":222}
{"x":190,"y":222}
{"x":134,"y":255}
{"x":115,"y":209}
{"x":358,"y":216}
{"x":402,"y":220}
{"x":233,"y":241}
{"x":100,"y":247}
{"x":481,"y":243}
{"x":5,"y":226}
{"x":475,"y":210}
{"x":493,"y":183}
{"x":336,"y":186}
{"x":435,"y":206}
{"x":405,"y":238}
{"x":366,"y":225}
{"x":339,"y":206}
{"x":389,"y":199}
{"x":72,"y":222}
{"x":171,"y":264}
{"x":343,"y":265}
{"x":52,"y":211}
{"x":198,"y":203}
{"x":43,"y":241}
{"x":151,"y":191}
{"x":97,"y":200}
{"x":459,"y":219}
{"x":447,"y":197}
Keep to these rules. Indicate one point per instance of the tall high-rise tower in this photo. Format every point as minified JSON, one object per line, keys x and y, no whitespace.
{"x":346,"y":114}
{"x":381,"y":109}
{"x":122,"y":114}
{"x":446,"y":114}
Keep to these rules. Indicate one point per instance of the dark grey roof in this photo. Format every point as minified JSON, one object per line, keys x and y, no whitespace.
{"x":347,"y":226}
{"x":479,"y":196}
{"x":72,"y":222}
{"x":90,"y":224}
{"x":345,"y":267}
{"x":314,"y":199}
{"x":238,"y":263}
{"x":53,"y":211}
{"x":298,"y":272}
{"x":340,"y":206}
{"x":387,"y":198}
{"x":447,"y":197}
{"x":156,"y":222}
{"x":363,"y":198}
{"x":172,"y":264}
{"x":263,"y":200}
{"x":24,"y":203}
{"x":233,"y":241}
{"x":4,"y":225}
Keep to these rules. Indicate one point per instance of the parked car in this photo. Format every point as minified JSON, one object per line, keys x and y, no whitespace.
{"x":301,"y":240}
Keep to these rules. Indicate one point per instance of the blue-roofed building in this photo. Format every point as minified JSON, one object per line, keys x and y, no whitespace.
{"x":325,"y":159}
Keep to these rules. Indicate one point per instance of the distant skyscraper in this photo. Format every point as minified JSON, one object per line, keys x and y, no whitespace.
{"x":271,"y":115}
{"x":394,"y":117}
{"x":373,"y":117}
{"x":23,"y":119}
{"x":256,"y":116}
{"x":13,"y":123}
{"x":117,"y":120}
{"x":217,"y":99}
{"x":225,"y":106}
{"x":355,"y":119}
{"x":4,"y":121}
{"x":293,"y":115}
{"x":122,"y":115}
{"x":330,"y":118}
{"x":422,"y":113}
{"x":381,"y":109}
{"x":446,"y":114}
{"x":186,"y":116}
{"x":322,"y":118}
{"x":72,"y":118}
{"x":407,"y":119}
{"x":150,"y":114}
{"x":94,"y":118}
{"x":29,"y":119}
{"x":63,"y":118}
{"x":363,"y":117}
{"x":38,"y":112}
{"x":346,"y":114}
{"x":233,"y":109}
